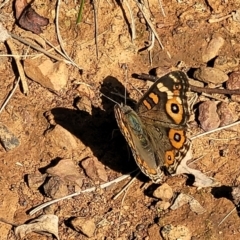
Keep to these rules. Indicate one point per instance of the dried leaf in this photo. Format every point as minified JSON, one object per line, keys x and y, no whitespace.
{"x":66,"y":170}
{"x":183,"y":199}
{"x":44,"y":224}
{"x":28,"y":18}
{"x":201,"y":180}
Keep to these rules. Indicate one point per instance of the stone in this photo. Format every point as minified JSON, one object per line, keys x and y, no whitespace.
{"x":212,"y":49}
{"x":83,"y":225}
{"x":225,"y":113}
{"x":50,"y":75}
{"x":35,"y":180}
{"x":8,"y":140}
{"x":62,"y":138}
{"x":226,"y":64}
{"x":234,"y":83}
{"x":162,"y":205}
{"x":163,"y":192}
{"x":210,"y":75}
{"x":67,"y":171}
{"x":55,"y":188}
{"x":170,"y":232}
{"x":208,"y":116}
{"x":94,"y":169}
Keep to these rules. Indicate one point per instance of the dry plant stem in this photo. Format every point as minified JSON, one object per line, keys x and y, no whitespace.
{"x":146,"y":16}
{"x":126,"y":186}
{"x":50,"y":50}
{"x":19,"y":66}
{"x":12,"y":55}
{"x":214,"y":97}
{"x":60,"y":38}
{"x":119,"y":179}
{"x":95,"y":10}
{"x":215,"y":20}
{"x":37,"y":48}
{"x":227,"y":216}
{"x":152,"y":78}
{"x":214,"y":90}
{"x":10,"y":95}
{"x":124,"y":196}
{"x":161,"y":7}
{"x":215,"y":130}
{"x":132,"y":20}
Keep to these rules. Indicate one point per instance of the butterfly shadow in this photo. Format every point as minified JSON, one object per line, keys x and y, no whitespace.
{"x":99,"y":131}
{"x":228,"y":193}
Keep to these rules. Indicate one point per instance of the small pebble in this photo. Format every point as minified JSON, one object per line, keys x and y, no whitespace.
{"x":164,"y":192}
{"x":208,"y":116}
{"x":212,"y":49}
{"x":226,"y":64}
{"x":210,"y":75}
{"x":84,"y":104}
{"x":55,"y":188}
{"x":83,"y":225}
{"x":94,"y":169}
{"x":35,"y":180}
{"x":62,"y":138}
{"x":8,"y":140}
{"x":225,"y":114}
{"x":162,"y":205}
{"x":169,"y":232}
{"x":234,"y":83}
{"x":50,"y":75}
{"x":140,"y":227}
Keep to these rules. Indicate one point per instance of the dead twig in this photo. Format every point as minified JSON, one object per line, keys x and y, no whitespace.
{"x":19,"y":66}
{"x":161,"y":7}
{"x":126,"y":186}
{"x":133,"y":28}
{"x":37,"y":48}
{"x":146,"y":15}
{"x":95,"y":10}
{"x":10,"y":95}
{"x":60,"y":40}
{"x":227,"y":216}
{"x":215,"y":130}
{"x":105,"y":185}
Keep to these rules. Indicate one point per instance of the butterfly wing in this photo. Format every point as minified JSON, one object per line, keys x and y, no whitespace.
{"x":139,"y":141}
{"x":166,"y":100}
{"x":164,"y":112}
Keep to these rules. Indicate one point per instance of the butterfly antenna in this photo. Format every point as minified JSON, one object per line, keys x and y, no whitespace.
{"x":125,"y":68}
{"x":101,"y":94}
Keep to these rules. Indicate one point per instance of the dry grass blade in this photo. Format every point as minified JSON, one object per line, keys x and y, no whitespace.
{"x":215,"y":130}
{"x":119,"y":179}
{"x":19,"y":66}
{"x":133,"y":33}
{"x":227,"y":216}
{"x":37,"y":48}
{"x":60,"y":38}
{"x":161,"y":7}
{"x":10,"y":95}
{"x":126,"y":186}
{"x":95,"y":10}
{"x":146,"y":15}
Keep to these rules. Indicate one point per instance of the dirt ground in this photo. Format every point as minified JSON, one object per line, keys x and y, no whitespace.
{"x":184,"y":32}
